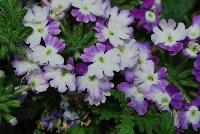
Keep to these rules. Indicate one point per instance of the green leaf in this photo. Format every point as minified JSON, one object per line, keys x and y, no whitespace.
{"x":12,"y":31}
{"x":151,"y":122}
{"x":125,"y":4}
{"x":126,"y":124}
{"x":107,"y":111}
{"x":78,"y":38}
{"x":76,"y":130}
{"x":119,"y":96}
{"x":177,"y":9}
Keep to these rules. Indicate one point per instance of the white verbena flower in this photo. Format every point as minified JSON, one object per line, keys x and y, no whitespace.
{"x":60,"y":78}
{"x":37,"y":82}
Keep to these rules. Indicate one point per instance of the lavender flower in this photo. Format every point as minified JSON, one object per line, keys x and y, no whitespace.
{"x":169,"y":37}
{"x":37,"y":82}
{"x":163,"y":97}
{"x":49,"y":53}
{"x":192,"y":49}
{"x":36,"y":15}
{"x":128,"y":54}
{"x":144,"y":53}
{"x":94,"y":86}
{"x":103,"y":63}
{"x":194,"y":30}
{"x":190,"y":115}
{"x":61,"y":77}
{"x":88,"y":10}
{"x":116,"y":29}
{"x":37,"y":18}
{"x":146,"y":77}
{"x":91,"y":101}
{"x":148,"y":14}
{"x":137,"y":98}
{"x":57,"y":8}
{"x":25,"y":65}
{"x":196,"y":70}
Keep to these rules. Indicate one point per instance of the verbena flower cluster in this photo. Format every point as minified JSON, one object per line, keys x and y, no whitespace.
{"x":117,"y":52}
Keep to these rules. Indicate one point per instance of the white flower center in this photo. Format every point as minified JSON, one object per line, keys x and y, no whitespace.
{"x":108,"y":33}
{"x":195,"y":47}
{"x":150,"y":16}
{"x":101,"y":59}
{"x":165,"y":100}
{"x":63,"y":72}
{"x":92,"y":78}
{"x":151,"y":78}
{"x":170,"y":39}
{"x":40,"y":30}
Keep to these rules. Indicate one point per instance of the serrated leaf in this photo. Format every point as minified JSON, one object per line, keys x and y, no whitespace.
{"x":126,"y":124}
{"x":78,"y":38}
{"x":12,"y":31}
{"x":151,"y":123}
{"x":107,"y":111}
{"x":119,"y":96}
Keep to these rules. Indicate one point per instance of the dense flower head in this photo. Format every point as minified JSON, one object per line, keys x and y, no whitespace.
{"x":116,"y":52}
{"x":169,"y":36}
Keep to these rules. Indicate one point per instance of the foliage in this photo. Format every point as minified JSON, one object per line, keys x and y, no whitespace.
{"x":180,"y":73}
{"x":126,"y":4}
{"x":77,"y":38}
{"x":178,"y":10}
{"x":8,"y":100}
{"x":12,"y":31}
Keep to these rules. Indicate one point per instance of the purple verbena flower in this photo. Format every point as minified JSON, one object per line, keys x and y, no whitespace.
{"x":164,"y":97}
{"x":116,"y":29}
{"x":137,"y":102}
{"x":94,"y":86}
{"x":190,"y":115}
{"x":146,"y":76}
{"x":102,"y":62}
{"x":192,"y":49}
{"x":61,"y":77}
{"x":25,"y":65}
{"x":194,"y":30}
{"x":169,"y":36}
{"x":196,"y":70}
{"x":48,"y":54}
{"x":88,"y":10}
